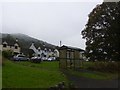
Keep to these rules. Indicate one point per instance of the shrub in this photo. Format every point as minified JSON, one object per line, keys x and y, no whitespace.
{"x":7,"y":54}
{"x":105,"y":67}
{"x":35,"y":60}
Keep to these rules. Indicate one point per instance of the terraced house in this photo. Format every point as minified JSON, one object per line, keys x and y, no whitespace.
{"x":45,"y":52}
{"x":14,"y":48}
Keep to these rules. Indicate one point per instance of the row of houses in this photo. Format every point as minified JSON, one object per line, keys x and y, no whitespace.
{"x":16,"y":49}
{"x":69,"y":57}
{"x":46,"y":53}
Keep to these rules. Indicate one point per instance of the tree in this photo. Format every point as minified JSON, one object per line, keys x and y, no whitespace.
{"x":102,"y":32}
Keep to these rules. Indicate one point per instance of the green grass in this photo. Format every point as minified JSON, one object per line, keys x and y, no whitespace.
{"x":51,"y":66}
{"x":31,"y":75}
{"x":0,"y":77}
{"x":87,"y":64}
{"x":0,"y":70}
{"x":94,"y":75}
{"x":43,"y":75}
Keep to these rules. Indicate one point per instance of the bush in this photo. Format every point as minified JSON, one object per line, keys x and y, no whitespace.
{"x":35,"y":60}
{"x":7,"y":54}
{"x":105,"y":67}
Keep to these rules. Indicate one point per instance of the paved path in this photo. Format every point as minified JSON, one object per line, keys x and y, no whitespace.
{"x":82,"y":82}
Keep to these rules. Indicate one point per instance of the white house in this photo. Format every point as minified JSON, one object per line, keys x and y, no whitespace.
{"x":45,"y":53}
{"x":14,"y":48}
{"x":56,"y":53}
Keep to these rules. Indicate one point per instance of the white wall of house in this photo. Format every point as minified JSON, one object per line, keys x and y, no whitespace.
{"x":47,"y":53}
{"x":56,"y":53}
{"x":12,"y":48}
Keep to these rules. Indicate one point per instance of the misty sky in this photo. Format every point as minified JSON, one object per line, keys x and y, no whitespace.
{"x":48,"y":21}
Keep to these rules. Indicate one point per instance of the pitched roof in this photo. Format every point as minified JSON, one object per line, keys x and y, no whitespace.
{"x":10,"y":43}
{"x":71,"y":48}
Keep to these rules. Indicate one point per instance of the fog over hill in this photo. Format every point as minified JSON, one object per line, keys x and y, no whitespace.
{"x":25,"y":41}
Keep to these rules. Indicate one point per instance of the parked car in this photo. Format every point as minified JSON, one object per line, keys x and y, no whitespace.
{"x":44,"y":58}
{"x":36,"y":59}
{"x":20,"y":57}
{"x":51,"y":58}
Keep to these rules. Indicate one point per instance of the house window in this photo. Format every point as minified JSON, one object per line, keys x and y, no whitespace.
{"x":80,"y":55}
{"x":68,"y":54}
{"x":42,"y":54}
{"x":72,"y":55}
{"x":38,"y":55}
{"x":45,"y":56}
{"x":16,"y":47}
{"x":55,"y":52}
{"x":4,"y":45}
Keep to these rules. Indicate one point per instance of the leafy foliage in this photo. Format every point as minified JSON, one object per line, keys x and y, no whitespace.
{"x":102,"y":32}
{"x":7,"y":54}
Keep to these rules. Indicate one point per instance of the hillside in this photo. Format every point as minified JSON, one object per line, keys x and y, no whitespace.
{"x":24,"y":41}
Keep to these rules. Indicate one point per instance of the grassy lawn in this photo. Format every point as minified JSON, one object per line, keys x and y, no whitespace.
{"x":31,"y":75}
{"x":44,"y":75}
{"x":0,"y":77}
{"x":0,"y":70}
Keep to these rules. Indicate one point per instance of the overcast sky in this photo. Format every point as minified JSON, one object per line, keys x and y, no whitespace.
{"x":48,"y":21}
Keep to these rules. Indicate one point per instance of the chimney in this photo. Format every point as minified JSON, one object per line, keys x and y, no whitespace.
{"x":60,"y":43}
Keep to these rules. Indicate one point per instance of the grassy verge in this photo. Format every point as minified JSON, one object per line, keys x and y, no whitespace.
{"x":93,"y":75}
{"x":31,"y":75}
{"x":0,"y":77}
{"x":98,"y":70}
{"x":0,"y":70}
{"x":110,"y":67}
